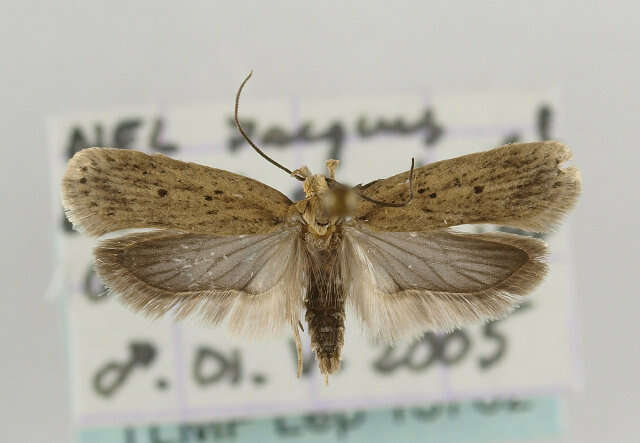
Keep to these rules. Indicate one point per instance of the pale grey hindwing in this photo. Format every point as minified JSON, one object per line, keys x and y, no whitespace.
{"x":252,"y":280}
{"x":404,"y":283}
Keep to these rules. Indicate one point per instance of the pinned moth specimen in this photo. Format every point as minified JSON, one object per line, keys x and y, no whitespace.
{"x":229,"y":248}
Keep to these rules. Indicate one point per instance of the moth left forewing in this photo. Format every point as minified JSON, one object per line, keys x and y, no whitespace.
{"x":250,"y":280}
{"x":404,"y":283}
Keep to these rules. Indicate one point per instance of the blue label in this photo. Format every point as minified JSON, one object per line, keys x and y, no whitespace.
{"x":460,"y":422}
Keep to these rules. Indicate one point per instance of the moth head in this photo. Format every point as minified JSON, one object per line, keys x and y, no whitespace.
{"x":341,"y":200}
{"x":323,"y":211}
{"x":336,"y":198}
{"x":316,"y":184}
{"x":327,"y":200}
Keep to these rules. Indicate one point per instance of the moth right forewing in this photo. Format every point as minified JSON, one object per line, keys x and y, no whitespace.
{"x":105,"y":190}
{"x":521,"y":185}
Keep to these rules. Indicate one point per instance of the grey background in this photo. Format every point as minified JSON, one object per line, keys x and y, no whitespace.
{"x":68,"y":56}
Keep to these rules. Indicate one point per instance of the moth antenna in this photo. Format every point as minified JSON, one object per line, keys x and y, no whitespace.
{"x":251,"y":143}
{"x":393,"y":205}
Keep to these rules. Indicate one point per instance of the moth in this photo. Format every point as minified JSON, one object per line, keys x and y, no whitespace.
{"x":229,"y":248}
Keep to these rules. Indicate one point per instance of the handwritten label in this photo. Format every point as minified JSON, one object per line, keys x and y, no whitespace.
{"x":128,"y":370}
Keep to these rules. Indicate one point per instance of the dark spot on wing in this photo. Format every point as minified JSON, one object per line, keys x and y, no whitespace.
{"x":162,"y":192}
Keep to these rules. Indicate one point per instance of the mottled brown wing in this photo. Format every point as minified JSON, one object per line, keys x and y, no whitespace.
{"x":253,"y":280}
{"x":521,"y":185}
{"x":107,"y":189}
{"x":404,"y":283}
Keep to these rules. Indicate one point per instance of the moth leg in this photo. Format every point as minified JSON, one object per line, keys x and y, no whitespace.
{"x":296,"y":335}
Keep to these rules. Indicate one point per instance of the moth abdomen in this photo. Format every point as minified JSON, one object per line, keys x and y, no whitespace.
{"x":326,"y":328}
{"x":325,"y":302}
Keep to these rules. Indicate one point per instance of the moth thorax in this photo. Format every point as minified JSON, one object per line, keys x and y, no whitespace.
{"x":318,"y":243}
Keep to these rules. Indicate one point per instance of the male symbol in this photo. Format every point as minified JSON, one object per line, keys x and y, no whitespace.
{"x":140,"y":354}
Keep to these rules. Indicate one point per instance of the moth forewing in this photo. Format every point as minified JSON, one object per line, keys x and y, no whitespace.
{"x":105,"y":190}
{"x":523,"y":185}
